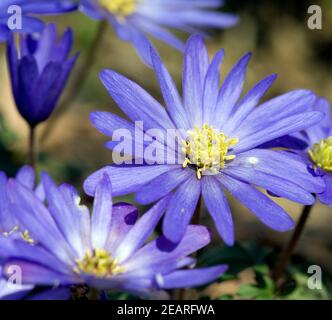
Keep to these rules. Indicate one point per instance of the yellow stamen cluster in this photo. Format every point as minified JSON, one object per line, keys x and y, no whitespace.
{"x":120,"y":8}
{"x":207,"y":149}
{"x":321,"y":154}
{"x":99,"y":263}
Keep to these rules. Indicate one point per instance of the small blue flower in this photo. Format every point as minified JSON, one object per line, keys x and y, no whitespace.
{"x":39,"y":72}
{"x":318,"y":151}
{"x":29,"y":9}
{"x":135,"y":20}
{"x":107,"y":250}
{"x":212,"y":116}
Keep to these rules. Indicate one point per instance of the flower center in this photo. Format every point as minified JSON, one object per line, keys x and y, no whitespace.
{"x":321,"y":154}
{"x":99,"y":263}
{"x":119,"y":8}
{"x":207,"y":150}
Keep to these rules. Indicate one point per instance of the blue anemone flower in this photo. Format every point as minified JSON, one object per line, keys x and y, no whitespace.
{"x":106,"y":250}
{"x":39,"y":72}
{"x":10,"y":228}
{"x":318,"y":151}
{"x":215,"y":117}
{"x":135,"y":20}
{"x":29,"y":9}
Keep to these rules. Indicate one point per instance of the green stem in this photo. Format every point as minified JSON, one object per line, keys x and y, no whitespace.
{"x":32,"y":149}
{"x":289,"y":249}
{"x":77,"y":84}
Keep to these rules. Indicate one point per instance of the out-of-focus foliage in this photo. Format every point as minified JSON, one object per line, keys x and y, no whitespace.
{"x":249,"y":275}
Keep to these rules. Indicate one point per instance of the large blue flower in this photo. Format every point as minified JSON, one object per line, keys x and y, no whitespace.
{"x":318,"y":151}
{"x":39,"y":72}
{"x":107,"y":250}
{"x":10,"y":228}
{"x":215,"y":117}
{"x":134,"y":20}
{"x":29,"y":9}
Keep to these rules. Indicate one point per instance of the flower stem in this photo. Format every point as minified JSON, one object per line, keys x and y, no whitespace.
{"x":32,"y":149}
{"x":77,"y":84}
{"x":288,"y":250}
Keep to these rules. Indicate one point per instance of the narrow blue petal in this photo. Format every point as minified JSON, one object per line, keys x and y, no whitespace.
{"x":162,"y":185}
{"x":124,"y":217}
{"x":230,"y":91}
{"x":141,"y":231}
{"x":278,"y":186}
{"x":263,"y":207}
{"x":259,"y":133}
{"x":211,"y":86}
{"x":125,"y":179}
{"x":190,"y":278}
{"x":170,"y":93}
{"x":102,"y":214}
{"x":218,"y":207}
{"x":181,"y":208}
{"x":135,"y":102}
{"x":196,"y":63}
{"x":326,"y":196}
{"x":273,"y":163}
{"x":161,"y":250}
{"x":39,"y":275}
{"x":248,"y":103}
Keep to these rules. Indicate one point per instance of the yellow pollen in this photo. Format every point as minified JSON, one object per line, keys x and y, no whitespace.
{"x":321,"y":154}
{"x":120,"y":8}
{"x":99,"y":263}
{"x":26,"y":237}
{"x":207,"y":150}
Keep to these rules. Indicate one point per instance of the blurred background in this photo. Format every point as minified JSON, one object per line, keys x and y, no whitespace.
{"x":275,"y":31}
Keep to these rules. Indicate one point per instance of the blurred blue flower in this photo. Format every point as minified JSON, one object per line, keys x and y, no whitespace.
{"x":215,"y":117}
{"x":107,"y":250}
{"x":29,"y":9}
{"x":318,"y":153}
{"x":135,"y":20}
{"x":39,"y":72}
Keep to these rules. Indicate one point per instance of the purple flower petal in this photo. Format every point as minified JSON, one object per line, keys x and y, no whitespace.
{"x":326,"y":196}
{"x":211,"y":86}
{"x":180,"y":209}
{"x":162,"y":185}
{"x":170,"y":93}
{"x":217,"y":205}
{"x":139,"y":233}
{"x":39,"y":275}
{"x":263,"y":207}
{"x":135,"y":102}
{"x":102,"y":214}
{"x":190,"y":278}
{"x":124,"y":217}
{"x":196,"y":63}
{"x":123,"y":179}
{"x":273,"y":163}
{"x":156,"y":253}
{"x":230,"y":91}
